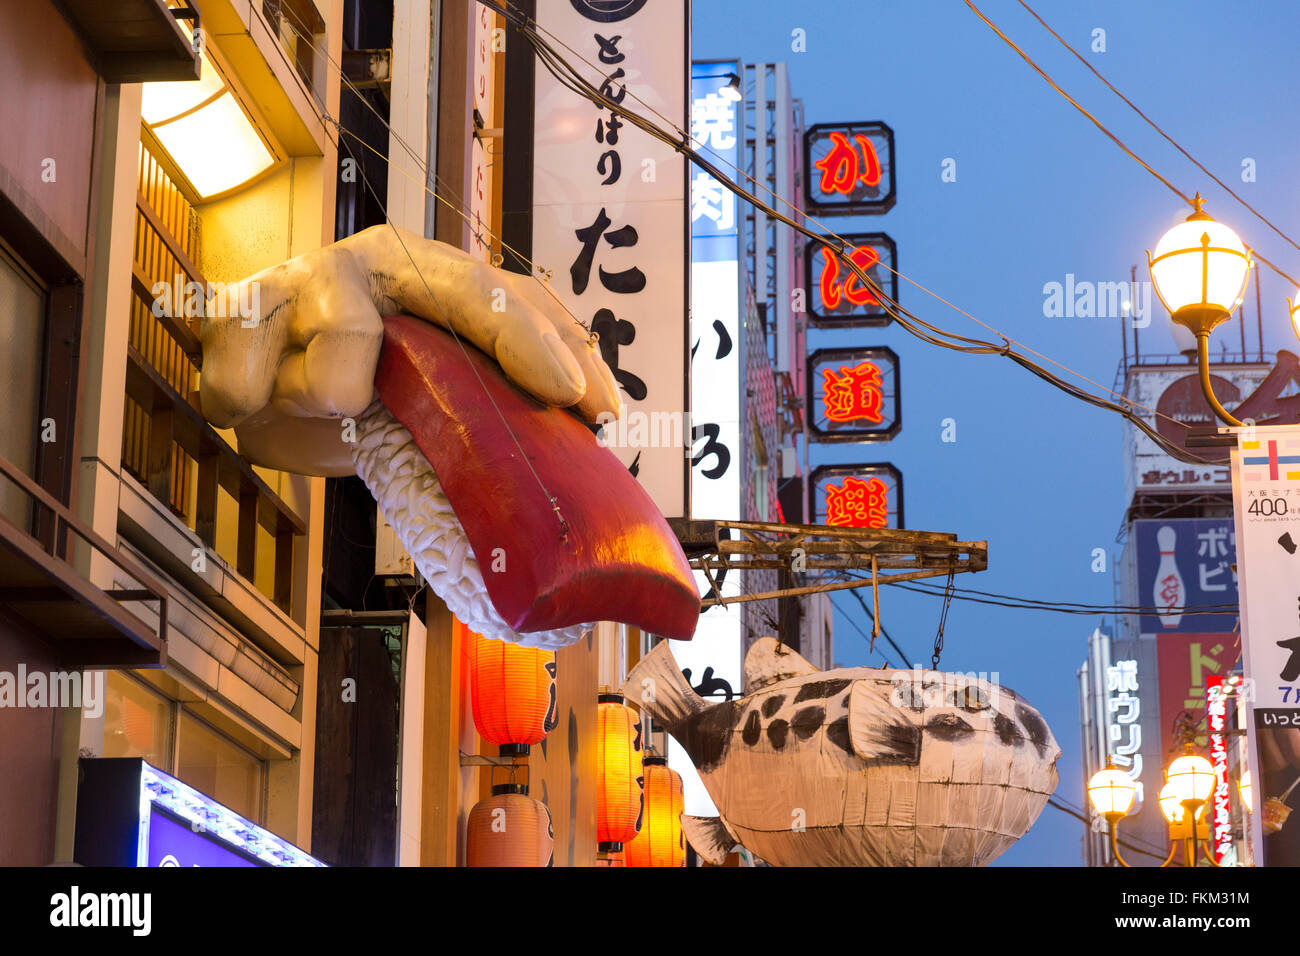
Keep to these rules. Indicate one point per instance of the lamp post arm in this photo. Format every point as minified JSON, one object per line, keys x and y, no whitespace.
{"x":1203,"y":360}
{"x":1173,"y":848}
{"x":1210,"y":856}
{"x":1114,"y":843}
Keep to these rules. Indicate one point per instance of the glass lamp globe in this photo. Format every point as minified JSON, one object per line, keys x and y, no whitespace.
{"x":1191,"y":778}
{"x":1199,"y":269}
{"x":1247,"y":789}
{"x":1111,"y":792}
{"x":1170,"y":805}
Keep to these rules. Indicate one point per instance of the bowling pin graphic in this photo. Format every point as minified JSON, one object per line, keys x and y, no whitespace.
{"x":1169,"y":591}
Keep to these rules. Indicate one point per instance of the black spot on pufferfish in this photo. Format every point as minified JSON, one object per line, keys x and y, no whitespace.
{"x":706,"y":736}
{"x":818,"y":689}
{"x":949,"y":727}
{"x":753,"y":729}
{"x":1038,"y":732}
{"x":838,"y":734}
{"x":772,"y":704}
{"x":807,"y":721}
{"x":1006,"y":729}
{"x":776,"y":733}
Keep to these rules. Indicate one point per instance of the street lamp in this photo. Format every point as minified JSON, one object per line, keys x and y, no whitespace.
{"x":1190,"y":783}
{"x":1112,"y":794}
{"x":1199,"y":270}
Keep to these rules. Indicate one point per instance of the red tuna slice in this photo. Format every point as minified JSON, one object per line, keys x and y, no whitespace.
{"x":620,"y":561}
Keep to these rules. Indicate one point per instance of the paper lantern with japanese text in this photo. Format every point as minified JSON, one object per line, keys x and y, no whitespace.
{"x":618,"y":773}
{"x":660,"y":842}
{"x":512,"y":689}
{"x":510,"y":828}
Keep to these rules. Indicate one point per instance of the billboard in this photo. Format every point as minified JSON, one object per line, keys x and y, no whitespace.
{"x":837,"y":298}
{"x":1266,"y":503}
{"x":853,"y":395}
{"x":1187,"y":664}
{"x":848,"y":168}
{"x":609,"y":213}
{"x":1169,"y":398}
{"x":1184,"y":564}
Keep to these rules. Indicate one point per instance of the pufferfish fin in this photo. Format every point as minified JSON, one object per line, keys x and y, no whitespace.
{"x":880,"y":730}
{"x":770,"y":662}
{"x":709,"y":837}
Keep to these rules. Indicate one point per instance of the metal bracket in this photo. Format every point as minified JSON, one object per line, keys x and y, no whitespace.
{"x":888,"y":555}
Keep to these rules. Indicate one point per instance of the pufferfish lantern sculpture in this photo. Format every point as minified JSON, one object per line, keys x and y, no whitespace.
{"x":472,"y":443}
{"x":855,"y":766}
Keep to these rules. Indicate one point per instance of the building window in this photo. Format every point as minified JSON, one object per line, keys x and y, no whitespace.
{"x":22,"y":342}
{"x":137,"y":721}
{"x":140,"y":722}
{"x":219,"y":767}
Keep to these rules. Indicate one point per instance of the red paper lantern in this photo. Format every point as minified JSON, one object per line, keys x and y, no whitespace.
{"x":512,"y":689}
{"x":660,"y":842}
{"x":510,"y":828}
{"x":619,"y":773}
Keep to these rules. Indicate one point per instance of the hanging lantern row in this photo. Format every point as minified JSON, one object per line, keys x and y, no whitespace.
{"x":512,"y":689}
{"x":619,"y":773}
{"x":510,"y":828}
{"x":661,"y":841}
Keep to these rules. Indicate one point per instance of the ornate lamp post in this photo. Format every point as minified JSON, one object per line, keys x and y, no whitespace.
{"x":1182,"y":800}
{"x":1200,"y":269}
{"x":1112,"y":793}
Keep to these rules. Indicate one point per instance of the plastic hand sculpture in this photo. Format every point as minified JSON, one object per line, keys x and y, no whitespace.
{"x":285,"y":378}
{"x":511,"y":510}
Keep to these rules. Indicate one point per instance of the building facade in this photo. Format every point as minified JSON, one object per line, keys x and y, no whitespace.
{"x":1153,"y":677}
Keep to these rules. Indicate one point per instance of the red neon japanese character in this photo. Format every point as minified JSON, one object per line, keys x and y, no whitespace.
{"x":853,"y":393}
{"x":853,"y":290}
{"x":841,"y":170}
{"x":859,"y":504}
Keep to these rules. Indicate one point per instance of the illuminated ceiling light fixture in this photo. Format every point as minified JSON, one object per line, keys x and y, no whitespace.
{"x":206,"y":133}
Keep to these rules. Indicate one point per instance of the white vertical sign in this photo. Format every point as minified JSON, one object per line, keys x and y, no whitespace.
{"x":486,"y":41}
{"x":1266,"y":505}
{"x":713,"y":656}
{"x":609,"y":216}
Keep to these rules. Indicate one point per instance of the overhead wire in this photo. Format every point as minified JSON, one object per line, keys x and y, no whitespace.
{"x":1033,"y":604}
{"x":830,"y":233}
{"x":854,"y":624}
{"x":576,"y":83}
{"x":1150,"y":122}
{"x":1116,"y":140}
{"x":568,"y":76}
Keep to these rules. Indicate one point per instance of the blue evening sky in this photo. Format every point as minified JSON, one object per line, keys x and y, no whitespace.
{"x":1040,"y":193}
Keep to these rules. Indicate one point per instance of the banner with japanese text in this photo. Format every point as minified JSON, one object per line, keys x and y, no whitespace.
{"x":610,"y":219}
{"x":1266,"y":502}
{"x":712,"y":659}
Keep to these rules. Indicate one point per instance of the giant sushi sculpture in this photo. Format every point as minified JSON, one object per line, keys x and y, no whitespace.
{"x":856,"y":766}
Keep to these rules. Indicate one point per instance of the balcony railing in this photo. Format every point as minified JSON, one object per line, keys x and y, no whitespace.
{"x":166,"y":442}
{"x":88,"y":626}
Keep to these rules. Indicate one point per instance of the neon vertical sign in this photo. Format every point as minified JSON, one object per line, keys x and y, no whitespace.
{"x":849,"y":168}
{"x":858,"y":496}
{"x":1216,"y":704}
{"x":837,"y":296}
{"x":853,"y":395}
